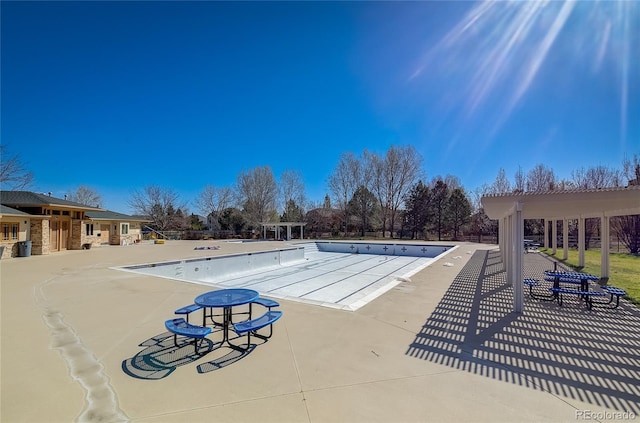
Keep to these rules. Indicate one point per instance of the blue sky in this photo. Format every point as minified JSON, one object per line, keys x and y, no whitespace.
{"x":121,"y":95}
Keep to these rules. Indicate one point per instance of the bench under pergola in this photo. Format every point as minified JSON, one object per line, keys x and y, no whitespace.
{"x":511,"y":209}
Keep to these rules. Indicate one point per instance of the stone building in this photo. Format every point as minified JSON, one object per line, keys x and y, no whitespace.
{"x":54,"y":224}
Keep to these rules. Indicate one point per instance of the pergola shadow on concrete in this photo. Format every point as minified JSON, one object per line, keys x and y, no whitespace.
{"x":512,"y":209}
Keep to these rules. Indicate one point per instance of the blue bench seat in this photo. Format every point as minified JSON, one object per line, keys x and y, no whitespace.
{"x":563,"y":280}
{"x":183,"y":328}
{"x":531,"y":282}
{"x":587,"y":296}
{"x":187,"y":310}
{"x":251,"y":326}
{"x":614,"y":292}
{"x":266,"y":302}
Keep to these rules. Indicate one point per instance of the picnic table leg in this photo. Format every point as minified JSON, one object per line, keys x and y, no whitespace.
{"x":226,"y":323}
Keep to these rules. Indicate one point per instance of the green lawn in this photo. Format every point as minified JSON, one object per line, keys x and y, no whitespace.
{"x":624,"y":269}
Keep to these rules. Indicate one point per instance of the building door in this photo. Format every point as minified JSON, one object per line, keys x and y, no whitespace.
{"x":104,"y":234}
{"x":64,"y":235}
{"x":54,"y":241}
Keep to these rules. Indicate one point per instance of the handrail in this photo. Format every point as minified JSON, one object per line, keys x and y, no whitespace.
{"x":153,"y":230}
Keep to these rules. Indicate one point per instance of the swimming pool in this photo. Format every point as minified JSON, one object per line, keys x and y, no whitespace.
{"x":344,"y":275}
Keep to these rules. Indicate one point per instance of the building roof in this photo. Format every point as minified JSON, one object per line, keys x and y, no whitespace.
{"x":32,"y":199}
{"x":111,"y":215}
{"x":617,"y":201}
{"x":8,"y":211}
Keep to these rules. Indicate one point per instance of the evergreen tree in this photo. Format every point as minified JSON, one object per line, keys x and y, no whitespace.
{"x":459,"y":211}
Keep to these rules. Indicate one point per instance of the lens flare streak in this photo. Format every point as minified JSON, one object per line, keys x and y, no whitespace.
{"x":498,"y":49}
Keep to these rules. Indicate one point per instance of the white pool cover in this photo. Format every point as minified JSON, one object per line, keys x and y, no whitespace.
{"x":307,"y":272}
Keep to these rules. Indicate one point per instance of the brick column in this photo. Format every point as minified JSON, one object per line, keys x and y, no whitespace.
{"x":40,"y":236}
{"x":76,"y":234}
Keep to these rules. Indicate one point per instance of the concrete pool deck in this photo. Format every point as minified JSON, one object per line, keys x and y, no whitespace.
{"x":81,"y":341}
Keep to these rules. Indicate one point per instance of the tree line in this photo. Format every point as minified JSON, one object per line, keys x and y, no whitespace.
{"x":542,"y":178}
{"x":368,"y":193}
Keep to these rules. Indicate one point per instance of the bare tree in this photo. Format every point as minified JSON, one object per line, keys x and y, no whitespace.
{"x":213,"y":200}
{"x":393,"y":177}
{"x":453,"y":182}
{"x":541,"y":178}
{"x":13,"y":172}
{"x":87,"y":196}
{"x":362,"y":207}
{"x":501,"y":185}
{"x":596,"y":177}
{"x":343,"y":183}
{"x":631,"y":170}
{"x":160,"y":205}
{"x":593,"y":178}
{"x":565,"y":185}
{"x":258,"y":191}
{"x":519,"y":182}
{"x":292,"y":191}
{"x":627,"y":228}
{"x":379,"y":186}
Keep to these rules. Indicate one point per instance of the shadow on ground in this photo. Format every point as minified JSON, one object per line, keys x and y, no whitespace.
{"x":161,"y":357}
{"x":587,"y":355}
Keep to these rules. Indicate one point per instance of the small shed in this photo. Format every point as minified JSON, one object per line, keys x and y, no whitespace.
{"x":109,"y":227}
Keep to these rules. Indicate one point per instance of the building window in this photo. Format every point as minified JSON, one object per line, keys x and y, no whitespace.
{"x":89,"y":229}
{"x":124,"y":229}
{"x":10,"y":231}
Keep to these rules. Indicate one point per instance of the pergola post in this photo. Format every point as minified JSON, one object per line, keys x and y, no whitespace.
{"x":501,"y":244}
{"x":554,"y":236}
{"x":604,"y":247}
{"x":581,"y":240}
{"x":517,"y":238}
{"x":509,"y":247}
{"x":278,"y":227}
{"x":546,"y":233}
{"x":565,"y":238}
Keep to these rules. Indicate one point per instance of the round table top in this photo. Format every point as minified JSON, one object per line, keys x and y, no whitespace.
{"x":226,"y":297}
{"x":574,"y":275}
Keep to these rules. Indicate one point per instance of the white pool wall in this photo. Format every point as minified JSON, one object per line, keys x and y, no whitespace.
{"x":217,"y":268}
{"x":382,"y":249}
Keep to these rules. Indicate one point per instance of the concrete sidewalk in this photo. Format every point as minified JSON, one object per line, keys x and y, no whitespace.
{"x":81,"y":341}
